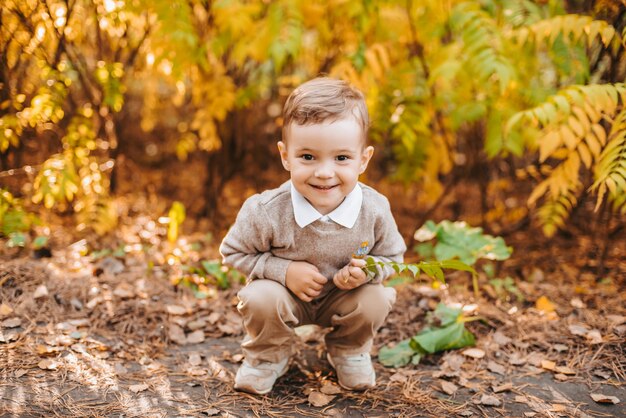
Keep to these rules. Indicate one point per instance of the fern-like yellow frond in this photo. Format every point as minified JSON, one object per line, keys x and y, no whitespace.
{"x":573,"y":27}
{"x":610,"y":171}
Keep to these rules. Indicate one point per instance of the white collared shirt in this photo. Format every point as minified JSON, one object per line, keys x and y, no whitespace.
{"x":345,"y":214}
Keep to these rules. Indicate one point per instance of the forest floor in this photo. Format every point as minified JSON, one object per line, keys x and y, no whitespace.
{"x":86,"y":333}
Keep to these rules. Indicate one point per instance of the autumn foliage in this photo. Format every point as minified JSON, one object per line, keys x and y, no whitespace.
{"x":455,"y":88}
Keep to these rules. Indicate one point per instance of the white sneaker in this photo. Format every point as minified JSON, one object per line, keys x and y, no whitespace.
{"x":259,"y":379}
{"x":354,"y":372}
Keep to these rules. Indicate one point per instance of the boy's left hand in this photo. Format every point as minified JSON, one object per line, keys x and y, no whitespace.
{"x":352,"y":275}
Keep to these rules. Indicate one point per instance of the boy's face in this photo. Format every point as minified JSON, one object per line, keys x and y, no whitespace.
{"x":325,"y":160}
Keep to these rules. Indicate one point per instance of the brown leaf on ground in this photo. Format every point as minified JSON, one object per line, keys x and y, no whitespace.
{"x":5,"y":310}
{"x":489,"y":400}
{"x":138,"y":388}
{"x":176,"y":310}
{"x":48,"y":364}
{"x":40,"y":292}
{"x":565,"y":370}
{"x":548,"y":365}
{"x":474,"y":353}
{"x":448,"y":387}
{"x":11,"y":323}
{"x":329,"y":388}
{"x":502,"y":388}
{"x":177,"y":334}
{"x":124,"y":291}
{"x":579,"y":330}
{"x":594,"y":337}
{"x":600,"y":398}
{"x":496,"y":367}
{"x":195,"y":359}
{"x":318,"y":399}
{"x":195,"y":337}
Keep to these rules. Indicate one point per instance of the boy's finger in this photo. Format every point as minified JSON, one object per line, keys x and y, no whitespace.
{"x":357,"y":273}
{"x":318,"y":278}
{"x":357,"y":262}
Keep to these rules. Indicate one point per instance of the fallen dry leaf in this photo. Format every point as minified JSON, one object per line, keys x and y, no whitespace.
{"x":214,"y":317}
{"x":579,"y":330}
{"x":501,"y":339}
{"x":196,"y":325}
{"x":517,"y":360}
{"x":502,"y":388}
{"x":48,"y":364}
{"x":594,"y":337}
{"x":496,"y":368}
{"x":600,"y":398}
{"x":20,"y":372}
{"x":5,"y":310}
{"x":543,"y":304}
{"x":195,"y":359}
{"x":318,"y":399}
{"x":40,"y":292}
{"x":474,"y":353}
{"x":577,"y":303}
{"x":616,"y":319}
{"x":177,"y":334}
{"x":548,"y":365}
{"x":565,"y":370}
{"x":560,"y":347}
{"x":211,"y":412}
{"x":449,"y":387}
{"x":489,"y":400}
{"x":561,"y":377}
{"x":138,"y":388}
{"x":329,"y":388}
{"x":176,"y":310}
{"x":124,"y":291}
{"x":11,"y":323}
{"x":195,"y":337}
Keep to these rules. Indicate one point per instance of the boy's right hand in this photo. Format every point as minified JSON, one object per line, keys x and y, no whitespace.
{"x":304,"y":280}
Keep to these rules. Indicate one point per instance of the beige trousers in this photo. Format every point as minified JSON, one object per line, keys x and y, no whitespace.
{"x":270,"y":312}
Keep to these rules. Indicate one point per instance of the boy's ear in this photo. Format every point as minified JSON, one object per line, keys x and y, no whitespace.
{"x":282,"y":149}
{"x":366,"y":155}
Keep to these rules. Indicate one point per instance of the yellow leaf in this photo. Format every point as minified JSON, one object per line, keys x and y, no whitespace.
{"x":543,"y":304}
{"x":585,"y":155}
{"x":548,"y":144}
{"x":569,"y":139}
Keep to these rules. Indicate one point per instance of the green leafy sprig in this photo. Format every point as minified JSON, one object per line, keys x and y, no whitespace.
{"x":432,"y":269}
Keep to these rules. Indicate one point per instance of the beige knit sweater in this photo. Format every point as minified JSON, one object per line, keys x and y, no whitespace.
{"x":266,"y":238}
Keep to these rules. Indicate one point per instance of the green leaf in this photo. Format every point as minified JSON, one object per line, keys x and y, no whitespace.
{"x":440,"y":339}
{"x":399,"y":355}
{"x":40,"y":242}
{"x":17,"y":239}
{"x":447,"y":315}
{"x":468,"y":244}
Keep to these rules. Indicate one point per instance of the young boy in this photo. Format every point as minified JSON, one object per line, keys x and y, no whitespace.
{"x":303,"y":244}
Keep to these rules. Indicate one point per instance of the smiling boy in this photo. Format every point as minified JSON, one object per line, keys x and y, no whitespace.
{"x":297,"y":243}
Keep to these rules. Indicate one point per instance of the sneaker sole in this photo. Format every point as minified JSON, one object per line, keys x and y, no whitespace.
{"x":254,"y":391}
{"x":364,"y":386}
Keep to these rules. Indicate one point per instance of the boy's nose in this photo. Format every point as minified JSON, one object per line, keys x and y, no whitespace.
{"x":324,"y":171}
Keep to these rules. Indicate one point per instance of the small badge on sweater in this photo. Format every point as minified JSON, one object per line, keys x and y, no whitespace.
{"x":362,"y":251}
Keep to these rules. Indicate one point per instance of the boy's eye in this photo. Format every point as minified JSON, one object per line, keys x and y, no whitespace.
{"x":343,"y":158}
{"x":307,"y":157}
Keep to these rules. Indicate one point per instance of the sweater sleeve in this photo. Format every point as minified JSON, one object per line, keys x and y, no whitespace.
{"x":247,"y":245}
{"x":389,"y":245}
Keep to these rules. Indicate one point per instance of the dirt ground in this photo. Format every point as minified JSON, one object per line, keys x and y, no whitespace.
{"x":112,"y":337}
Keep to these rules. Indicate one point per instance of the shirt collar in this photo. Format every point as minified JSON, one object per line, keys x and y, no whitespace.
{"x":345,"y":214}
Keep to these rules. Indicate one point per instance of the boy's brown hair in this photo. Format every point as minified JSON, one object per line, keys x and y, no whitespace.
{"x":325,"y":99}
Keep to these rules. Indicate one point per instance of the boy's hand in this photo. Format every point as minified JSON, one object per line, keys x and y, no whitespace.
{"x":352,"y":275}
{"x":304,"y":280}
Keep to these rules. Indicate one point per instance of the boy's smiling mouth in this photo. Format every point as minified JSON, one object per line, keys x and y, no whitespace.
{"x":323,"y":187}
